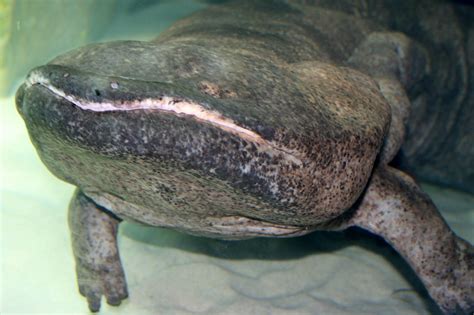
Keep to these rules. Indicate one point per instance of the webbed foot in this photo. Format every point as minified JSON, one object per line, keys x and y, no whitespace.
{"x":106,"y":281}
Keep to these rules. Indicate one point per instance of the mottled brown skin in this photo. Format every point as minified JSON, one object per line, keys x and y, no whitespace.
{"x":420,"y":235}
{"x":328,"y":123}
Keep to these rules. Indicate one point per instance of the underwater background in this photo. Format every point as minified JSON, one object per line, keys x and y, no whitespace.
{"x":351,"y":272}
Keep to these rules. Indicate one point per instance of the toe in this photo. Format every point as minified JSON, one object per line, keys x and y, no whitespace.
{"x":93,"y":299}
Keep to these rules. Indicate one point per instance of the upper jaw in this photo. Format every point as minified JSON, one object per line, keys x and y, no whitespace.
{"x":93,"y":93}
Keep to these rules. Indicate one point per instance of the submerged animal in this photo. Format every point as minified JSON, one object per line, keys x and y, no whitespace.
{"x":243,"y":120}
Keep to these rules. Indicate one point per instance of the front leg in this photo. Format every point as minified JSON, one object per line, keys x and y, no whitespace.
{"x":395,"y":208}
{"x":94,"y":243}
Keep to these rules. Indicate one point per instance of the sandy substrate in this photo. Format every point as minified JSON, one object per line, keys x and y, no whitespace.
{"x":172,"y":273}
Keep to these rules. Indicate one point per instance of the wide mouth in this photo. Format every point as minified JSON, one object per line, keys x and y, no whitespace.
{"x":161,"y":102}
{"x":93,"y":93}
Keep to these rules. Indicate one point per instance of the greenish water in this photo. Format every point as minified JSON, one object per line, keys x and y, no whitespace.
{"x":33,"y":32}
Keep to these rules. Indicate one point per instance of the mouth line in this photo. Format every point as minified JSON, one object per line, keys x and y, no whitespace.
{"x":166,"y":104}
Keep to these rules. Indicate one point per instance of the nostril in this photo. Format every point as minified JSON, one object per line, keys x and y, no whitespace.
{"x":97,"y":92}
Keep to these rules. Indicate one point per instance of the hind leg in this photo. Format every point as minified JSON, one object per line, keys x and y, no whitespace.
{"x":395,"y":208}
